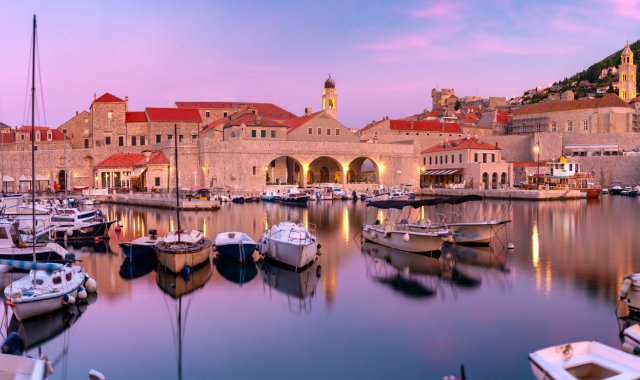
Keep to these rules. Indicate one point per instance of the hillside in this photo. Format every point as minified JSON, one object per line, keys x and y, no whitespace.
{"x":586,"y":82}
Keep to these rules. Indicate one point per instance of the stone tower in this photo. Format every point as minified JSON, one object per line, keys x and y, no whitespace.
{"x":627,"y":75}
{"x":330,"y":97}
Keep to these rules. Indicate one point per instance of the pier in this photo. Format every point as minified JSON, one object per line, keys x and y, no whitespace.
{"x":511,"y":194}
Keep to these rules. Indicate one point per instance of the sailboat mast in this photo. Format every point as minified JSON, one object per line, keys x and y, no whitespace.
{"x":33,"y":142}
{"x":175,"y":142}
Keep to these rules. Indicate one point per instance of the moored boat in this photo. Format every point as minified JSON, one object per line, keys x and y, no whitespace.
{"x":583,"y":360}
{"x":290,"y":244}
{"x":616,"y":188}
{"x":141,"y":247}
{"x":235,"y":246}
{"x":295,"y":197}
{"x":183,"y":248}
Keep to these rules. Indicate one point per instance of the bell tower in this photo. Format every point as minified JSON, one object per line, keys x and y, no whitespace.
{"x":330,"y":97}
{"x":627,"y":75}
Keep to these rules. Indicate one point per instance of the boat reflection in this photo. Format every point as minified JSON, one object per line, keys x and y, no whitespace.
{"x":299,"y":287}
{"x":177,"y":284}
{"x":237,"y":273}
{"x":481,"y":256}
{"x":89,"y":246}
{"x":131,"y":269}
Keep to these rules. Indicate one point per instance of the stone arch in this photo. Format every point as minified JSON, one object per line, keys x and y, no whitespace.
{"x":284,"y":170}
{"x":494,"y":180}
{"x":333,"y":173}
{"x":62,"y":180}
{"x":485,"y":180}
{"x":503,"y":178}
{"x":364,"y":169}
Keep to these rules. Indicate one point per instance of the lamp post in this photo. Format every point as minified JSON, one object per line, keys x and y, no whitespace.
{"x":536,"y":150}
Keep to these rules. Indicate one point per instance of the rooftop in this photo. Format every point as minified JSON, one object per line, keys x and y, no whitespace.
{"x":607,"y":101}
{"x":263,"y":109}
{"x":133,"y":159}
{"x":461,"y":144}
{"x":190,"y":115}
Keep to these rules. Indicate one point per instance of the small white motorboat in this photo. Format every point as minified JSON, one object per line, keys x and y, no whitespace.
{"x":583,"y":360}
{"x":235,"y":246}
{"x":631,"y":342}
{"x":630,"y":296}
{"x":290,"y":244}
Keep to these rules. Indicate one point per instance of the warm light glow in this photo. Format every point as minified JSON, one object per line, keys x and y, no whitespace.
{"x":547,"y":282}
{"x":204,"y":168}
{"x":536,"y":148}
{"x":305,"y":167}
{"x":204,"y":226}
{"x":345,"y":167}
{"x":535,"y":254}
{"x":380,"y":168}
{"x":345,"y":224}
{"x":306,"y":219}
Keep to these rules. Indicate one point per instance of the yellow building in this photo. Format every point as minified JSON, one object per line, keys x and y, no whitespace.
{"x":627,"y":75}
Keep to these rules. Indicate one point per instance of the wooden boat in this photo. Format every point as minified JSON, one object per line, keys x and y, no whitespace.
{"x":295,"y":197}
{"x":290,"y":244}
{"x":235,"y":246}
{"x":566,"y":175}
{"x":583,"y":360}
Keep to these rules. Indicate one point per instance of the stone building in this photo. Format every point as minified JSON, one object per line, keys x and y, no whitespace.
{"x":137,"y":171}
{"x":330,"y":98}
{"x":627,"y":75}
{"x":607,"y":114}
{"x":465,"y":163}
{"x":392,"y":130}
{"x":214,"y":111}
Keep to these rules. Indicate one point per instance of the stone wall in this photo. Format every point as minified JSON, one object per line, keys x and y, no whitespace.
{"x":612,"y":169}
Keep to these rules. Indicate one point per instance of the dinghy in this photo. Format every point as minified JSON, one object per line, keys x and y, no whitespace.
{"x":235,"y":246}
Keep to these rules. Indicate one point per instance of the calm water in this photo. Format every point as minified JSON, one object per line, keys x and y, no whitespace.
{"x":372,"y":313}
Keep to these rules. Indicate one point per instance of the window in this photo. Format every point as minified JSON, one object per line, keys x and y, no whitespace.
{"x":429,"y":160}
{"x":460,"y":158}
{"x":554,"y":128}
{"x":484,"y":158}
{"x":263,"y":133}
{"x":169,"y":136}
{"x":37,"y":135}
{"x":310,"y":131}
{"x":49,"y":136}
{"x":452,"y":160}
{"x":158,"y":138}
{"x":328,"y":131}
{"x":225,"y":114}
{"x":424,"y":160}
{"x":475,"y":157}
{"x":180,"y":138}
{"x":157,"y":181}
{"x":337,"y":131}
{"x":133,"y":140}
{"x":121,"y":140}
{"x":585,"y":125}
{"x":254,"y":170}
{"x":107,"y":140}
{"x":319,"y":131}
{"x":446,"y":159}
{"x":86,"y":121}
{"x":194,"y":137}
{"x":22,"y":137}
{"x":538,"y":127}
{"x":569,"y":126}
{"x":110,"y":115}
{"x":493,"y":157}
{"x":86,"y":143}
{"x":64,"y":131}
{"x":142,"y":140}
{"x":207,"y":114}
{"x":273,"y":133}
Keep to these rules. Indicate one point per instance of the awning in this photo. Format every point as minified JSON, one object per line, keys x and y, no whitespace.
{"x":137,"y":172}
{"x":441,"y":172}
{"x":38,"y":178}
{"x":7,"y":178}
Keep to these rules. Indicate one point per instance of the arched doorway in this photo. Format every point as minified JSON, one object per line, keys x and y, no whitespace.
{"x":503,"y":179}
{"x":363,"y":170}
{"x":283,"y":170}
{"x":485,"y":180}
{"x":494,"y":181}
{"x":310,"y":177}
{"x":62,"y":180}
{"x":327,"y":169}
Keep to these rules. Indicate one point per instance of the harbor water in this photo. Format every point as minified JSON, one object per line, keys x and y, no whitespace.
{"x":363,"y":311}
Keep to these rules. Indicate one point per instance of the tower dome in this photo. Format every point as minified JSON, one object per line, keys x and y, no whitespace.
{"x":329,"y":83}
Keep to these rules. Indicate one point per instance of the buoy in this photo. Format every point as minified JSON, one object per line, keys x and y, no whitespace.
{"x":120,"y":223}
{"x":510,"y":246}
{"x":71,"y":300}
{"x":626,"y":286}
{"x":82,"y":293}
{"x":91,"y":285}
{"x":406,"y":237}
{"x":69,"y":232}
{"x":96,"y":239}
{"x":65,"y":299}
{"x":117,"y":227}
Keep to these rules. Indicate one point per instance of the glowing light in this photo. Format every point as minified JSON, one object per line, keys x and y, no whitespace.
{"x":204,"y":168}
{"x":306,"y":219}
{"x":535,"y":254}
{"x":305,"y":167}
{"x":381,"y":168}
{"x":547,"y":283}
{"x":536,"y":148}
{"x":345,"y":224}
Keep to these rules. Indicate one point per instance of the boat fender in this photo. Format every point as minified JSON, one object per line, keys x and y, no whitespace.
{"x":69,"y":232}
{"x":65,"y":299}
{"x":121,"y":224}
{"x":96,"y":239}
{"x":510,"y":246}
{"x":186,"y":272}
{"x":318,"y":271}
{"x":319,"y":245}
{"x":117,"y":228}
{"x":406,"y":237}
{"x":91,"y":285}
{"x":49,"y":366}
{"x":626,"y":286}
{"x":82,"y":293}
{"x":14,"y":344}
{"x":631,"y":349}
{"x":72,"y":300}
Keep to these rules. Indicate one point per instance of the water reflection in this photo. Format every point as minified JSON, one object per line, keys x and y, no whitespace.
{"x":235,"y":272}
{"x":299,"y":287}
{"x":131,"y":269}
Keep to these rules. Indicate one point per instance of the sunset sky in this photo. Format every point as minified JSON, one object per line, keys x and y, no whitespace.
{"x":385,"y":56}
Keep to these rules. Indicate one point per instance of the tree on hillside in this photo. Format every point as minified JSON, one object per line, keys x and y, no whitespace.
{"x":458,"y":105}
{"x":610,"y":90}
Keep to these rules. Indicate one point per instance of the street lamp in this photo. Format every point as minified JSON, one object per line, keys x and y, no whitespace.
{"x":536,"y":150}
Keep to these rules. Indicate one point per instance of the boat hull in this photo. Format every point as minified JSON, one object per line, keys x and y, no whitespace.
{"x":293,"y":255}
{"x":137,"y":251}
{"x":418,"y":242}
{"x":96,"y":230}
{"x":236,"y":252}
{"x":297,"y":201}
{"x":475,"y":233}
{"x":176,"y":260}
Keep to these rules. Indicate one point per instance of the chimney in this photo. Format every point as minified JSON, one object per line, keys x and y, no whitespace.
{"x":307,"y":111}
{"x":126,"y":103}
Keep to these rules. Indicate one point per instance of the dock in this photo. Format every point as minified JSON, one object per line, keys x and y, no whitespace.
{"x":511,"y":194}
{"x":160,"y":200}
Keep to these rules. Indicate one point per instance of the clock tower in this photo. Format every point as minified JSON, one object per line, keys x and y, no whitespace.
{"x":330,"y":97}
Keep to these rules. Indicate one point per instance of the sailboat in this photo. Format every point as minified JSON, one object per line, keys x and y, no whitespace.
{"x":182,"y":250}
{"x":49,"y":286}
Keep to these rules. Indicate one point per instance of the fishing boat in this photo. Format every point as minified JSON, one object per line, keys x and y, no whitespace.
{"x":182,"y":250}
{"x":564,"y":174}
{"x":290,"y":244}
{"x":396,"y":232}
{"x":583,"y":360}
{"x":295,"y":197}
{"x":398,"y":194}
{"x":616,"y":188}
{"x":73,"y":224}
{"x":14,"y":247}
{"x":141,"y":247}
{"x":235,"y":246}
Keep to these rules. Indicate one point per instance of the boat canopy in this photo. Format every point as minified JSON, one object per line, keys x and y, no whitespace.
{"x":399,"y":204}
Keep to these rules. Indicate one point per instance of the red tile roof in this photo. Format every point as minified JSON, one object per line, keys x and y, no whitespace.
{"x":523,"y":164}
{"x":608,"y":100}
{"x":135,"y":117}
{"x":460,"y":144}
{"x":424,"y":125}
{"x":108,"y":98}
{"x":55,"y":134}
{"x":173,"y":114}
{"x":251,"y":119}
{"x":503,"y":117}
{"x":264,"y":109}
{"x":292,"y":124}
{"x":7,"y":137}
{"x":132,"y":159}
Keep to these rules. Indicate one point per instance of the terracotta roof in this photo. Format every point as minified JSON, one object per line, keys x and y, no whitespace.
{"x":8,"y":137}
{"x":55,"y":134}
{"x":460,"y":144}
{"x":251,"y":119}
{"x":135,"y":117}
{"x":608,"y":100}
{"x":108,"y":98}
{"x":424,"y":125}
{"x":132,"y":159}
{"x":264,"y":109}
{"x":292,"y":124}
{"x":173,"y":114}
{"x":371,"y":125}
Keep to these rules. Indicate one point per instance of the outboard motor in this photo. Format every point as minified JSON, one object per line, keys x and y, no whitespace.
{"x":69,"y":258}
{"x":14,"y":345}
{"x":153,"y":233}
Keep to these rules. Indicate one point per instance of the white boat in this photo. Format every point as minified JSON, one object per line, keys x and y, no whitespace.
{"x":631,"y":343}
{"x":475,"y":232}
{"x":46,"y":288}
{"x":398,"y":194}
{"x":290,"y":244}
{"x":326,"y":195}
{"x":405,"y":238}
{"x":630,"y":295}
{"x":179,"y":249}
{"x":583,"y":360}
{"x":235,"y":246}
{"x":22,"y":368}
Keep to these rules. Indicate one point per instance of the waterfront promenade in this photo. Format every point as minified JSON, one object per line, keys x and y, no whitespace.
{"x":514,"y":194}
